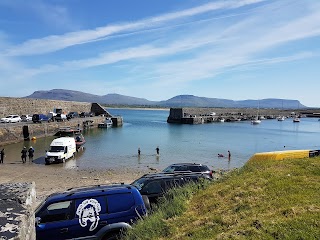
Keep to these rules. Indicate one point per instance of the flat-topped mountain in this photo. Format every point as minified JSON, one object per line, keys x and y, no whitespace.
{"x":177,"y":101}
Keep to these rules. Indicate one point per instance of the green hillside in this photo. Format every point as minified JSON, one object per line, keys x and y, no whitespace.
{"x":262,"y":200}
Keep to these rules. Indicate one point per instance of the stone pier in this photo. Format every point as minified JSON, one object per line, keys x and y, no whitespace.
{"x":17,"y":203}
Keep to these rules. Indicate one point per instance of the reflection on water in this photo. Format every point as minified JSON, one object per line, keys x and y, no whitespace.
{"x":118,"y":147}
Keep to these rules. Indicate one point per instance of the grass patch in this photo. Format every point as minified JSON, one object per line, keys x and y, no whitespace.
{"x":262,"y":200}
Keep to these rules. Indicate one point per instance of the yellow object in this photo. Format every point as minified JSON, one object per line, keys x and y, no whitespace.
{"x":281,"y":155}
{"x":33,"y":138}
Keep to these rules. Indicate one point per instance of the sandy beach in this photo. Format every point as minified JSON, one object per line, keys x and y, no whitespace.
{"x":51,"y":179}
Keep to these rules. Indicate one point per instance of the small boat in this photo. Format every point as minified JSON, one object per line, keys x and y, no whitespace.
{"x":296,"y":119}
{"x":255,"y":121}
{"x":280,"y":118}
{"x":80,"y":141}
{"x":106,"y":124}
{"x":221,"y":119}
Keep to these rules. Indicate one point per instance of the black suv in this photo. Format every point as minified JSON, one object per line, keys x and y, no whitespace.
{"x":191,"y":167}
{"x":98,"y":212}
{"x":155,"y":185}
{"x":72,"y":115}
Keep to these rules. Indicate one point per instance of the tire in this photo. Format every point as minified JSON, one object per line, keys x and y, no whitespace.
{"x":146,"y":202}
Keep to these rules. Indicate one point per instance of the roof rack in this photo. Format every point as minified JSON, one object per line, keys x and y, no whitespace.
{"x":72,"y":191}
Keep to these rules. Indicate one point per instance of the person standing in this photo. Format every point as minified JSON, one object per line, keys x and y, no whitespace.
{"x":229,"y":155}
{"x":24,"y":154}
{"x":157,"y":149}
{"x":2,"y":155}
{"x":31,"y":151}
{"x":139,"y":151}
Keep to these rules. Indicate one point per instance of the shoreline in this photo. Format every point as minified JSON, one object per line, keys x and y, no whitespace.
{"x":50,"y":180}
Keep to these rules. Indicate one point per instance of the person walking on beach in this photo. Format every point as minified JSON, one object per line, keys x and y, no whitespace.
{"x":2,"y":155}
{"x":31,"y":151}
{"x":229,"y":155}
{"x":157,"y":149}
{"x":24,"y":154}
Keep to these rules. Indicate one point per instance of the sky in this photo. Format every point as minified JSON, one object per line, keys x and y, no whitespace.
{"x":157,"y":49}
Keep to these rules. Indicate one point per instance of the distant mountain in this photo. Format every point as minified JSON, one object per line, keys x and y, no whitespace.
{"x":177,"y":101}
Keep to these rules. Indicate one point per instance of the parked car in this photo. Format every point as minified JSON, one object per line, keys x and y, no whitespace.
{"x":11,"y":119}
{"x":192,"y":167}
{"x":98,"y":212}
{"x":72,"y":115}
{"x":26,"y":118}
{"x":86,"y":114}
{"x":60,"y":117}
{"x":155,"y":185}
{"x":39,"y":118}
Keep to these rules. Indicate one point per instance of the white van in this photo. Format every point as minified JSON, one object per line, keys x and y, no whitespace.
{"x":61,"y":149}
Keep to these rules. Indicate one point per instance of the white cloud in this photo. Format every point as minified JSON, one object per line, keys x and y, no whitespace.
{"x":57,"y":42}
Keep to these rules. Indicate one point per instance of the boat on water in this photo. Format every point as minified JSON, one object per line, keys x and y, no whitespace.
{"x":221,"y":119}
{"x":75,"y":133}
{"x":296,"y":119}
{"x":255,"y":121}
{"x":106,"y":124}
{"x":80,"y":141}
{"x":281,"y":118}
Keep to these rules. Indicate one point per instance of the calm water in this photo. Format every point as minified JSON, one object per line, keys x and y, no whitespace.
{"x":147,"y":129}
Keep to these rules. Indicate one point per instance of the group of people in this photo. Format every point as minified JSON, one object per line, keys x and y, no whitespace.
{"x":24,"y":153}
{"x":157,"y":150}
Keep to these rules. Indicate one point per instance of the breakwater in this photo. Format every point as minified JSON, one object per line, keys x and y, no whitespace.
{"x":31,"y":106}
{"x":11,"y":132}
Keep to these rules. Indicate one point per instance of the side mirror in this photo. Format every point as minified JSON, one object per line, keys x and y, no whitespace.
{"x":38,"y":221}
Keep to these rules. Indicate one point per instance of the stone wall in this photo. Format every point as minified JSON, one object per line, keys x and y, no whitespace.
{"x":17,"y":203}
{"x":30,"y":106}
{"x":13,"y":132}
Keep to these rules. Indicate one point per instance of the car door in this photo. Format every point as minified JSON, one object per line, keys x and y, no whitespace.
{"x":56,"y":219}
{"x":153,"y":190}
{"x":89,"y":216}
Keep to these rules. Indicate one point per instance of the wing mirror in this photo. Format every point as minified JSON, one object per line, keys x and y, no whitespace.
{"x":38,"y":221}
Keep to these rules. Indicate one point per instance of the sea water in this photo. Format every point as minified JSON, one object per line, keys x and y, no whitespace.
{"x":116,"y":148}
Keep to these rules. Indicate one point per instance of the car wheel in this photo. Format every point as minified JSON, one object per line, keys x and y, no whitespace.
{"x":146,"y":202}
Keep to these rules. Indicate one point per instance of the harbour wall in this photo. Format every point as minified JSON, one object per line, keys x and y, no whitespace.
{"x":17,"y":204}
{"x":31,"y":106}
{"x":15,"y":132}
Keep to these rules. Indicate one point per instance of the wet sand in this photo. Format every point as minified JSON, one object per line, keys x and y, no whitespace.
{"x":51,"y":179}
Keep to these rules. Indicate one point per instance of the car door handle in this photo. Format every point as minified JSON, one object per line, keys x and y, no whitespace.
{"x":64,"y":230}
{"x":103,"y":223}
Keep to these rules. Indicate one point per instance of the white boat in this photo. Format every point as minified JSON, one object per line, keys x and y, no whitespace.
{"x":296,"y":119}
{"x":221,"y":119}
{"x":255,"y":121}
{"x":281,"y":118}
{"x":106,"y":124}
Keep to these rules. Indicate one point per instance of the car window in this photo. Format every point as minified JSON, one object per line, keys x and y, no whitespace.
{"x":57,"y":212}
{"x":120,"y":202}
{"x":152,"y":187}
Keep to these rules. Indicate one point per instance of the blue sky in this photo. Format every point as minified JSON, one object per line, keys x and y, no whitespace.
{"x":235,"y":49}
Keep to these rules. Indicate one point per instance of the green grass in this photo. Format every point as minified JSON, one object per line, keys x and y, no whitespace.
{"x":262,"y":200}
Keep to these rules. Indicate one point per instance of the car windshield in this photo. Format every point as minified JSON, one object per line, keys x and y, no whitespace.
{"x":56,"y":149}
{"x":139,"y":183}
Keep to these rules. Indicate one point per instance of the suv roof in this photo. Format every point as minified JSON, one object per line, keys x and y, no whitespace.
{"x":192,"y":167}
{"x":89,"y":191}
